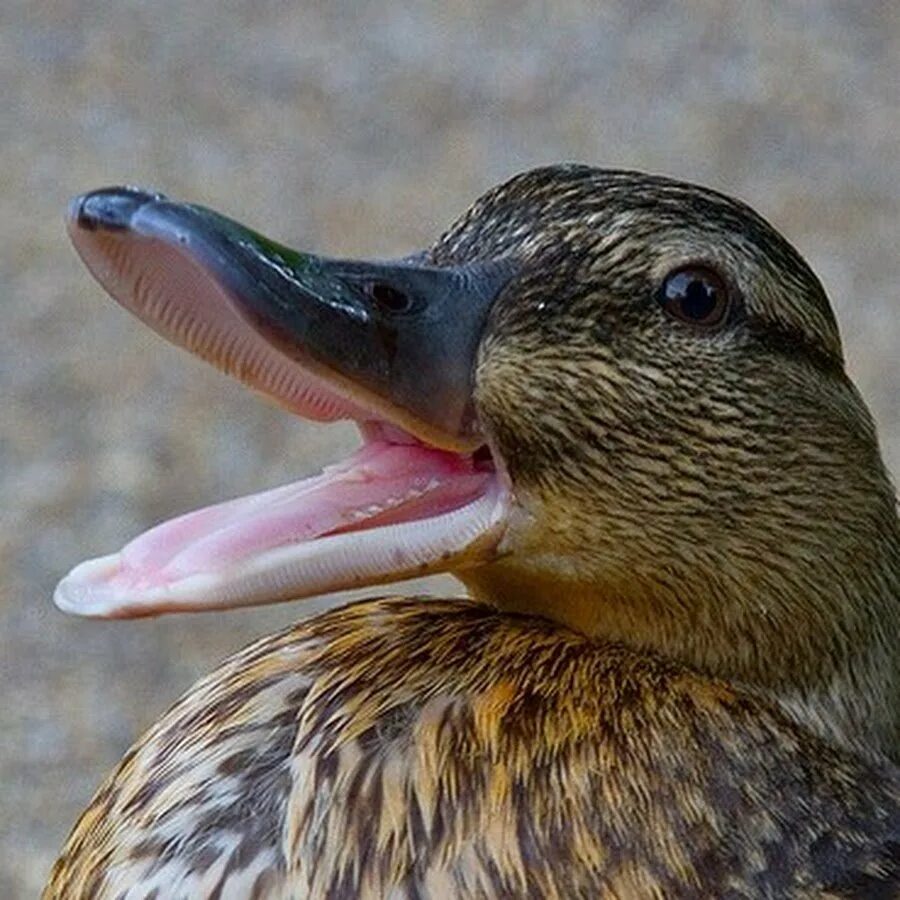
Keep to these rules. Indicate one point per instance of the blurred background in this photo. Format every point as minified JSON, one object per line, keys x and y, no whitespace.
{"x":356,"y":128}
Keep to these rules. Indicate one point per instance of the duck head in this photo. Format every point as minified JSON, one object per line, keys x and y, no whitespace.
{"x":606,"y":398}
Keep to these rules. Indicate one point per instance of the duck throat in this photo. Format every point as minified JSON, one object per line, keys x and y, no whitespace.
{"x":823,"y":650}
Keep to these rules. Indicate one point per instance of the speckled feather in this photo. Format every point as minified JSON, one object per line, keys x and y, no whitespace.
{"x":716,"y":496}
{"x":407,"y":748}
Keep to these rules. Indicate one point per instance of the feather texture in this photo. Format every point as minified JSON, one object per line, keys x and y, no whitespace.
{"x":412,"y":748}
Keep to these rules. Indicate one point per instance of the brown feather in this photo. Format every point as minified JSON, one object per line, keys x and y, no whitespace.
{"x":439,"y":748}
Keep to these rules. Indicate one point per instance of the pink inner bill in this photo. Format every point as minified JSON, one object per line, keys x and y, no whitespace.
{"x":388,"y":512}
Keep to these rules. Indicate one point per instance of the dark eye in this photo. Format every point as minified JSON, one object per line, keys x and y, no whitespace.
{"x":695,"y":294}
{"x":389,"y":298}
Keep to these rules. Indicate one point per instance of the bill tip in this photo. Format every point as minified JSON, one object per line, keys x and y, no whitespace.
{"x":110,"y":208}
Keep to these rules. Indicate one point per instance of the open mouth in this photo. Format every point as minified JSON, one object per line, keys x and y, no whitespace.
{"x":391,"y":346}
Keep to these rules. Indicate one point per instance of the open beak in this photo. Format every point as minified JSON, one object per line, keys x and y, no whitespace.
{"x":390,"y":345}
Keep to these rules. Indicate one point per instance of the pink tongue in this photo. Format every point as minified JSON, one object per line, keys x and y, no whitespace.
{"x":382,"y":483}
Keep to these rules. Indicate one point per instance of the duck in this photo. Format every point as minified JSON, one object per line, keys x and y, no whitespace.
{"x":615,"y":407}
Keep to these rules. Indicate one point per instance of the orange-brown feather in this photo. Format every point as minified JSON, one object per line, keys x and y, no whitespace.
{"x":439,"y":748}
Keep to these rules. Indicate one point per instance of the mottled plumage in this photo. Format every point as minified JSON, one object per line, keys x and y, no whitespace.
{"x":681,"y":676}
{"x":428,"y":748}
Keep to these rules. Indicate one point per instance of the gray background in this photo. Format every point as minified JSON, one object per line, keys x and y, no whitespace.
{"x":357,"y":128}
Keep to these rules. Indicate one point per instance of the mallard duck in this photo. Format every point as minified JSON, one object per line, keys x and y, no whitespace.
{"x":615,"y":407}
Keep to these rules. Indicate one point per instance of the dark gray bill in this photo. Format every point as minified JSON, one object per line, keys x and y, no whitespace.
{"x":330,"y":338}
{"x":380,"y":343}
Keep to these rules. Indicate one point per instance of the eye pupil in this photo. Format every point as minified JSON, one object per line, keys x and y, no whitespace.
{"x":695,"y":294}
{"x":699,"y":299}
{"x":389,"y":298}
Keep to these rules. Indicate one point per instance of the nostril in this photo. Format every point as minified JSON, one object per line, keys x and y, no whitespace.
{"x":109,"y":208}
{"x":389,"y":298}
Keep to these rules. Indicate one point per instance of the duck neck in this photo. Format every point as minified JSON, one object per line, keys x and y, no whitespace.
{"x":820,"y":641}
